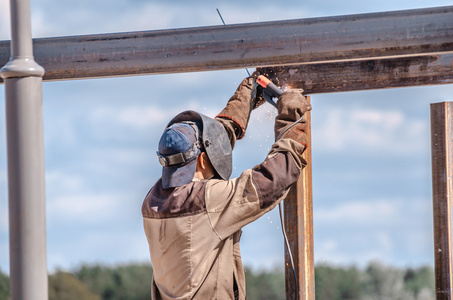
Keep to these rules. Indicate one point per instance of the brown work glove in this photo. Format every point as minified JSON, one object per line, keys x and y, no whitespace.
{"x":238,"y":109}
{"x":291,"y":106}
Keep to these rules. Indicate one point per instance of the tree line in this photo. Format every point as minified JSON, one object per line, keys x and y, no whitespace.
{"x":132,"y":282}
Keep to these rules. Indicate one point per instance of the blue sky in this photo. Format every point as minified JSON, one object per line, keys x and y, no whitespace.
{"x":371,"y":150}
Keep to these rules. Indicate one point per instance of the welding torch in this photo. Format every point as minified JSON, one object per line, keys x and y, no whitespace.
{"x":270,"y":90}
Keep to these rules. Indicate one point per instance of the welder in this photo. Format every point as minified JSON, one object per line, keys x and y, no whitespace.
{"x":194,"y":213}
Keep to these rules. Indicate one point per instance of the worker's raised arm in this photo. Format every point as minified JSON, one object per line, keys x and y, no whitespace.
{"x":234,"y":203}
{"x":236,"y":114}
{"x":289,"y":123}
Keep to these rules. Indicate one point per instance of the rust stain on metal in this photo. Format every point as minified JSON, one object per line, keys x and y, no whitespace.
{"x":366,"y":74}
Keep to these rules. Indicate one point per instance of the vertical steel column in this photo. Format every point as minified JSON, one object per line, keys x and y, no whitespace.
{"x":27,"y":224}
{"x":442,"y":172}
{"x":298,"y":209}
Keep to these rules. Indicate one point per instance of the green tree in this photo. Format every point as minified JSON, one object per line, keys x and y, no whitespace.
{"x":337,"y":283}
{"x":99,"y":279}
{"x":265,"y":285}
{"x":4,"y":286}
{"x":131,"y":282}
{"x":420,"y":282}
{"x":382,"y":282}
{"x":65,"y":286}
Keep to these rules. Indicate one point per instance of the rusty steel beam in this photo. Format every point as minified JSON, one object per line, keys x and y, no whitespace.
{"x":298,"y":220}
{"x":442,"y":172}
{"x":365,"y":74}
{"x":304,"y":41}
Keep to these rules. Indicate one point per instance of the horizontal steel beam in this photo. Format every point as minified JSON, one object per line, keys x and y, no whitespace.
{"x":365,"y":74}
{"x":305,"y":41}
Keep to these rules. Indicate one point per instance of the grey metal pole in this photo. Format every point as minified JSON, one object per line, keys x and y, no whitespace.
{"x":25,"y":148}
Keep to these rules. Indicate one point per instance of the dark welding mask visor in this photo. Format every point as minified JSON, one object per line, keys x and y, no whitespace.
{"x":214,"y":141}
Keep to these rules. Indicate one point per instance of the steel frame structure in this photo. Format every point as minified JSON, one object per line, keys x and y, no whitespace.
{"x":320,"y":55}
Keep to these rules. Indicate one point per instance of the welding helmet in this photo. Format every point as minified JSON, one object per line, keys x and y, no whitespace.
{"x":185,"y":136}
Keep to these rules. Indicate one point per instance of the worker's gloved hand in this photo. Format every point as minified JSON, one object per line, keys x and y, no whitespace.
{"x":259,"y":99}
{"x":241,"y":104}
{"x":291,"y":107}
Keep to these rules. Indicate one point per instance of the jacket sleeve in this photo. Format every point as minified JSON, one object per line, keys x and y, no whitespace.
{"x":231,"y":128}
{"x":232,"y":204}
{"x":236,"y":114}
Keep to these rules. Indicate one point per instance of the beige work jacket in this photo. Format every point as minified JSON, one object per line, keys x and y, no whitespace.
{"x":193,"y":231}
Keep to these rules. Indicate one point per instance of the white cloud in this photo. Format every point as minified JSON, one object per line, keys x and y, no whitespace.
{"x":4,"y":220}
{"x":135,"y":116}
{"x":57,"y":260}
{"x":151,"y":16}
{"x":89,"y":208}
{"x":102,"y":161}
{"x":368,"y":129}
{"x":359,"y":212}
{"x":60,"y":128}
{"x":373,"y":245}
{"x":40,"y":26}
{"x":384,"y":241}
{"x":387,"y":119}
{"x":142,"y":117}
{"x":424,"y":240}
{"x":94,"y":246}
{"x":269,"y":12}
{"x":4,"y":255}
{"x":395,"y":231}
{"x":5,"y":33}
{"x":327,"y":245}
{"x":89,"y":18}
{"x":50,"y":18}
{"x":64,"y":181}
